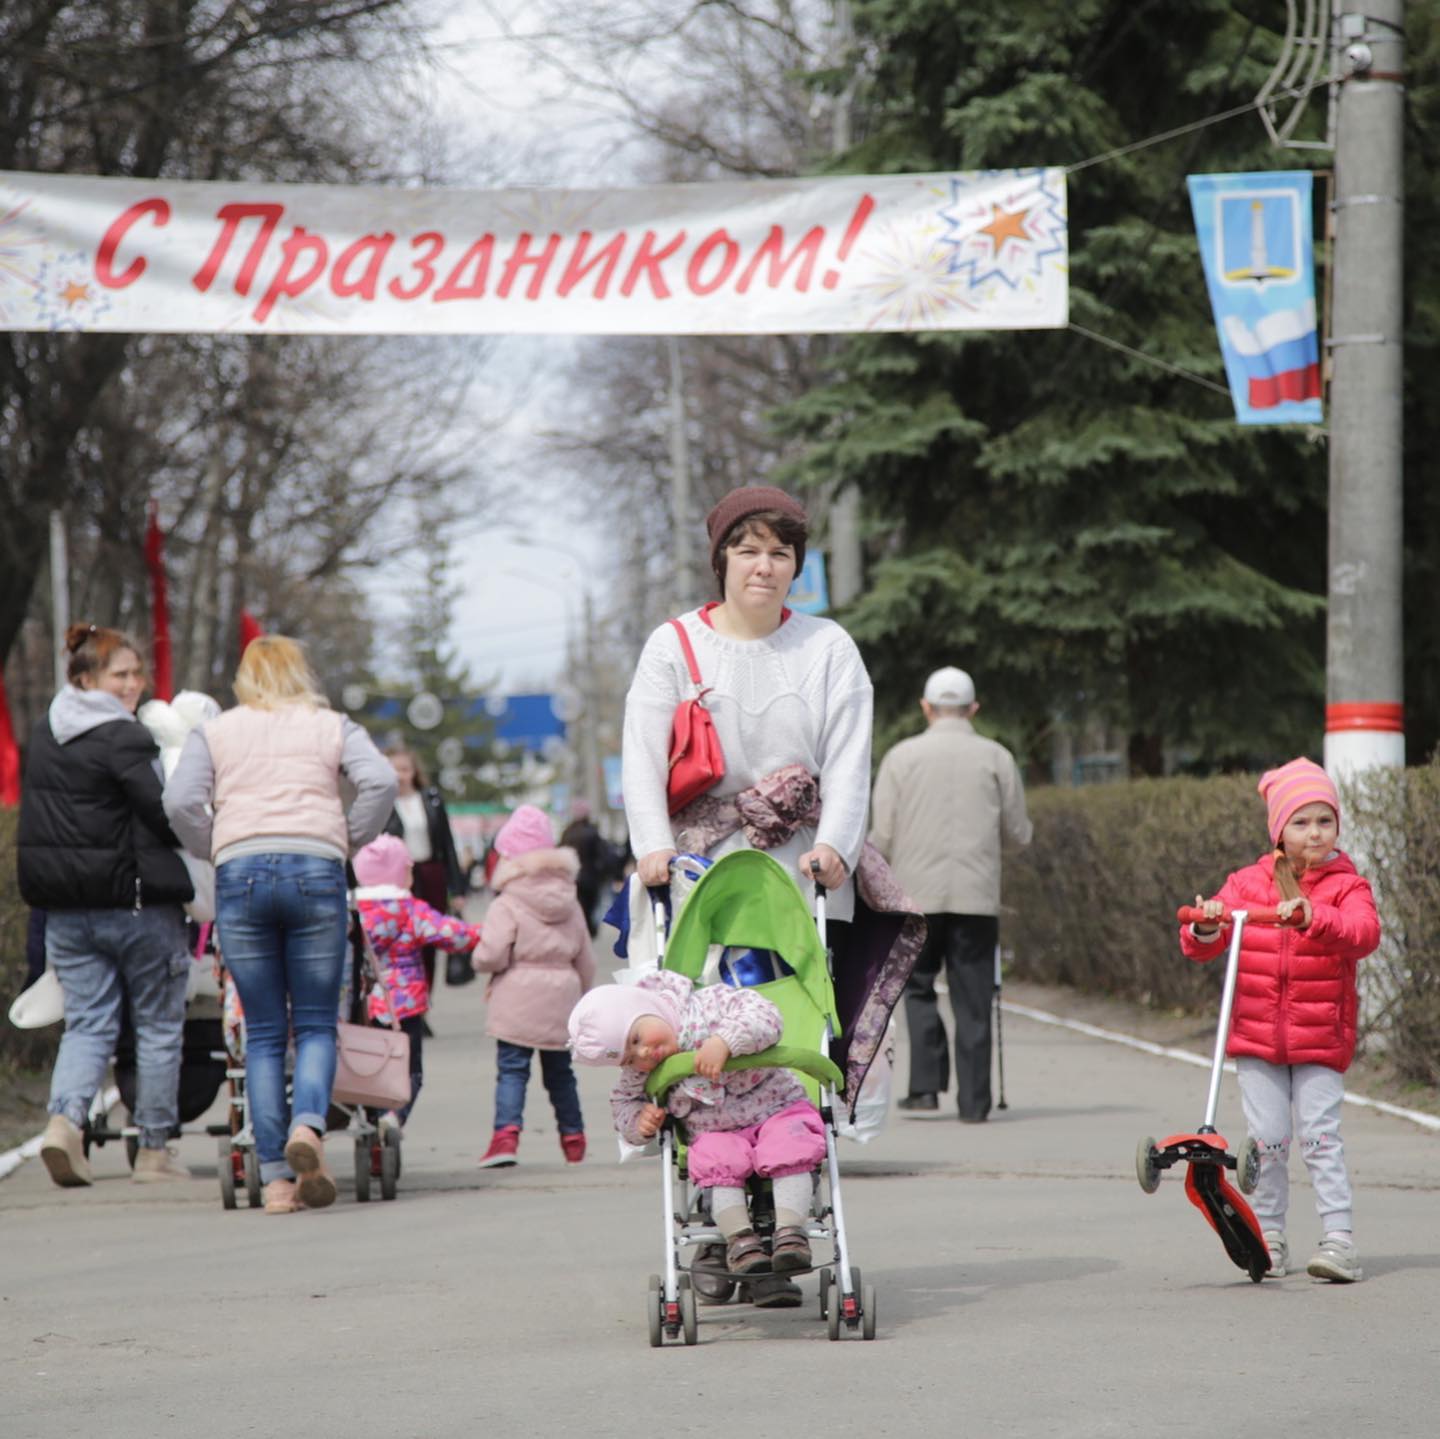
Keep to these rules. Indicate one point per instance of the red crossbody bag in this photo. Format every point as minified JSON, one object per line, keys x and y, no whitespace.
{"x":697,"y":762}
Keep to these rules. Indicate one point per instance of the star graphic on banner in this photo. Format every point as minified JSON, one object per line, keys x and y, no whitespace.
{"x":75,"y":293}
{"x":1005,"y":225}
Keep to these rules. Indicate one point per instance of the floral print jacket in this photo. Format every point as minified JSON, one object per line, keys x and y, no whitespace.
{"x":400,"y":928}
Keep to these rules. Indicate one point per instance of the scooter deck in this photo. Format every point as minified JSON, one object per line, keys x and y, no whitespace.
{"x":1228,"y":1214}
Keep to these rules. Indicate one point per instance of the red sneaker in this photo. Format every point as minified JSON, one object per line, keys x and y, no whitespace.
{"x":574,"y":1147}
{"x":503,"y":1144}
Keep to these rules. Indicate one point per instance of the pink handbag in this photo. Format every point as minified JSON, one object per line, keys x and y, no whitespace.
{"x":372,"y":1066}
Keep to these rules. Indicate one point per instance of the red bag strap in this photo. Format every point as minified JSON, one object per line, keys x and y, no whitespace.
{"x":689,"y":655}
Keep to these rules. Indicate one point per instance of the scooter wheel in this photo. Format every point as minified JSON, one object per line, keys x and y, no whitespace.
{"x":1146,"y":1170}
{"x":653,"y":1299}
{"x":1247,"y":1166}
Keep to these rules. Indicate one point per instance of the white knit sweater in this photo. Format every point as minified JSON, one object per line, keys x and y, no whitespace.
{"x":799,"y":696}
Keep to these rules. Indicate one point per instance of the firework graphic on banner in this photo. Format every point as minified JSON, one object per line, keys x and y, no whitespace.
{"x":67,"y":295}
{"x":20,"y":242}
{"x":912,"y":286}
{"x":1000,"y":243}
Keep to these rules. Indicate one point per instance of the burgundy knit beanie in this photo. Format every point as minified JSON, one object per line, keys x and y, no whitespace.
{"x":741,"y":504}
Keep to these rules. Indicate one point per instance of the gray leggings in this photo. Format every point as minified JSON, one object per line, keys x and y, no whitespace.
{"x":1267,"y":1094}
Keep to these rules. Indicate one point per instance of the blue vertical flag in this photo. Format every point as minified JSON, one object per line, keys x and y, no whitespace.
{"x":1257,"y":245}
{"x":809,"y":593}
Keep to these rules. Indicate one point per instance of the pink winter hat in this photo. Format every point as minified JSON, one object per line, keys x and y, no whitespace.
{"x":528,"y":828}
{"x":1292,"y":786}
{"x":383,"y":861}
{"x":601,"y":1023}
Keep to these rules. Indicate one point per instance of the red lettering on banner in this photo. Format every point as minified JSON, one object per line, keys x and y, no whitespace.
{"x":852,"y":233}
{"x":772,"y":249}
{"x":715,"y":240}
{"x":647,"y":262}
{"x":577,"y":267}
{"x":422,"y":264}
{"x":105,"y":256}
{"x":519,"y":257}
{"x":234,"y":216}
{"x":452,"y":289}
{"x":378,"y":247}
{"x":286,"y":283}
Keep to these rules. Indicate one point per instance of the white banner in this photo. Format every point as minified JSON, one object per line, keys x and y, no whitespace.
{"x":869,"y":252}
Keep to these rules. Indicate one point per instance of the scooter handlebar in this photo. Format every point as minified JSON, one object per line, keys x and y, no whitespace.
{"x":1254,"y":914}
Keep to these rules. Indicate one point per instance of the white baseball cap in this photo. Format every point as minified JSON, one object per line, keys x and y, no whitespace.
{"x":950,"y":687}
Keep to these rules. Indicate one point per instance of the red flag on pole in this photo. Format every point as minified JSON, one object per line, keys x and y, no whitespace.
{"x":250,"y":629}
{"x":9,"y":752}
{"x":159,"y":609}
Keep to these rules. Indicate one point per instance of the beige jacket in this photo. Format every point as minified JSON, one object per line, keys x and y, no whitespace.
{"x":945,"y":802}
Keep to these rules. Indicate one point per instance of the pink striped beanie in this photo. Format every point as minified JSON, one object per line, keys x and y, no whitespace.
{"x":1292,"y":786}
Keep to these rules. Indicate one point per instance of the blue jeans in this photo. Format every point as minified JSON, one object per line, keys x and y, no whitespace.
{"x":103,"y":957}
{"x":513,"y":1064}
{"x":283,"y":922}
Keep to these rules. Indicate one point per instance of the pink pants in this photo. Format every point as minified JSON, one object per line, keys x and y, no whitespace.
{"x":791,"y":1141}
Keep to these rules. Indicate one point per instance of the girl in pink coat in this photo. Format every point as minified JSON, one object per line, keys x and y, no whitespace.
{"x":536,"y":950}
{"x":1292,"y":1033}
{"x":744,"y":1122}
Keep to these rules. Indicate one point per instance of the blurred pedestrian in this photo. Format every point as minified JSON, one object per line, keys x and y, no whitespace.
{"x":536,"y":949}
{"x":97,"y":855}
{"x":945,"y":804}
{"x":421,"y":820}
{"x":258,"y":791}
{"x":597,"y":860}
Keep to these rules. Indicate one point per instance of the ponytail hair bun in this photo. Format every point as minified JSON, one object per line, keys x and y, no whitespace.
{"x":92,"y":647}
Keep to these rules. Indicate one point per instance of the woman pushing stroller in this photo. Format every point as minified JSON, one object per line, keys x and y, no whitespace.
{"x":741,"y":1123}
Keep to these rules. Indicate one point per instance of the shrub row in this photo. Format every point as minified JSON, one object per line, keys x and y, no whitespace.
{"x":1091,"y":902}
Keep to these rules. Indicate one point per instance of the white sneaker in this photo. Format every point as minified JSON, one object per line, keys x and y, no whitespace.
{"x":1279,"y":1253}
{"x":62,"y":1151}
{"x":1335,"y":1260}
{"x":158,"y":1166}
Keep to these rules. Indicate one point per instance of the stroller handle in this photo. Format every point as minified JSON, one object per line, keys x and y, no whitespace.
{"x":1254,"y":914}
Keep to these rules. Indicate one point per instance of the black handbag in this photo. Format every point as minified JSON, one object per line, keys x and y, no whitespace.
{"x":458,"y":969}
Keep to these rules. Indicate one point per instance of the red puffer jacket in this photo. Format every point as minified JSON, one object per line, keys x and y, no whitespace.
{"x":1295,"y":999}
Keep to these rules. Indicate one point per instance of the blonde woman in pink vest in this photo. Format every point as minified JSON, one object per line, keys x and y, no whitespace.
{"x":278,"y":792}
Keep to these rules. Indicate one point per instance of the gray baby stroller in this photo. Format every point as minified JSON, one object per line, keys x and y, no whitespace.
{"x":746,"y":900}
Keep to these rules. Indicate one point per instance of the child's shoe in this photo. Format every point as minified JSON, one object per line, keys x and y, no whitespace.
{"x":305,"y":1154}
{"x":1335,"y":1260}
{"x":503,"y":1144}
{"x":745,"y":1254}
{"x":789,"y":1250}
{"x":1279,"y":1253}
{"x":573,"y":1147}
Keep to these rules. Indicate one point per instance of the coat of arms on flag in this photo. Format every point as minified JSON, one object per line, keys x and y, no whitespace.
{"x":1257,"y":247}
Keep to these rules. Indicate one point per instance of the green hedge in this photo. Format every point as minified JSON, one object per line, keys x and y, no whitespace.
{"x":1091,"y":902}
{"x":19,"y":1048}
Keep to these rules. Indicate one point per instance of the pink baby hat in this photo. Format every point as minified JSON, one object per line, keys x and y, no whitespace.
{"x":601,"y":1023}
{"x":383,"y":861}
{"x":1292,"y":786}
{"x":528,"y":828}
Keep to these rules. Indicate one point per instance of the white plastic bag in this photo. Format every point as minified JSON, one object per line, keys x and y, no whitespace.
{"x":873,"y":1106}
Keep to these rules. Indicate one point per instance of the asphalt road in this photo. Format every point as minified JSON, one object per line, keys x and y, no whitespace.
{"x":1026,"y":1286}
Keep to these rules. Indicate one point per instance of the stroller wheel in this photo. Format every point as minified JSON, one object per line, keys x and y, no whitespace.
{"x":1247,"y":1166}
{"x":132,"y":1150}
{"x":689,"y":1323}
{"x":832,"y":1315}
{"x":389,"y":1165}
{"x":225,"y":1167}
{"x":867,"y":1318}
{"x":825,"y":1282}
{"x":362,"y":1170}
{"x":253,"y":1197}
{"x":1146,"y":1170}
{"x":652,"y":1312}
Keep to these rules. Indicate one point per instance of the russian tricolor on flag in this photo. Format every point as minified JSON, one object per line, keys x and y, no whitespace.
{"x":1280,"y":354}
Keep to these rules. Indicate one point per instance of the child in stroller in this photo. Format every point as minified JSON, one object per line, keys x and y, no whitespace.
{"x":739,"y":1087}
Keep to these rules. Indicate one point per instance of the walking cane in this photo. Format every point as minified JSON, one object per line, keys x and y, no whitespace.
{"x":999,"y":1032}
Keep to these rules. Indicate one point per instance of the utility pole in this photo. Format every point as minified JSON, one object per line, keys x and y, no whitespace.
{"x":1364,"y":711}
{"x":845,"y":558}
{"x":680,"y":481}
{"x":59,"y":593}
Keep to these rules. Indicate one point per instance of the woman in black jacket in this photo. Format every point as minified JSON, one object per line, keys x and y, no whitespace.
{"x":421,"y":821}
{"x":97,"y":854}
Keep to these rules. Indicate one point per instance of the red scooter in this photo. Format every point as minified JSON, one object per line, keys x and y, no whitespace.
{"x":1204,"y":1151}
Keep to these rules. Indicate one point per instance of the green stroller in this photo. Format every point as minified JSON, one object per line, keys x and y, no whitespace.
{"x":746,"y":899}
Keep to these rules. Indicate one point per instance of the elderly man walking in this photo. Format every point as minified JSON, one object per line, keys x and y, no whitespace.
{"x":945,"y":803}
